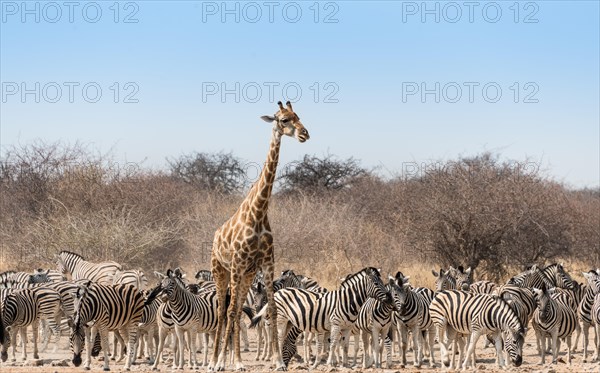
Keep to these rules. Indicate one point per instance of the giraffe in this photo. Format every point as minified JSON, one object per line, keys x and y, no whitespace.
{"x":244,"y":244}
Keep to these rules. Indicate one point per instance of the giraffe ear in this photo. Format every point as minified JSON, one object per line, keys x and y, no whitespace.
{"x":267,"y":118}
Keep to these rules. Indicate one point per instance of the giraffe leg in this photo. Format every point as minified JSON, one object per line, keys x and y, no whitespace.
{"x":241,"y":293}
{"x":236,"y":280}
{"x":221,"y":278}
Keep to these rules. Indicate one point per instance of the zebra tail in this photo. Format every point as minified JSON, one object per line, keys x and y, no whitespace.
{"x":248,"y":311}
{"x":256,"y":319}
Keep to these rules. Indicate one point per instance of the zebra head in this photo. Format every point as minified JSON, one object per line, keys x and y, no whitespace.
{"x":513,"y":345}
{"x":80,"y":318}
{"x":400,"y":291}
{"x":561,"y":278}
{"x":375,"y":288}
{"x":593,"y":279}
{"x":204,"y":275}
{"x":61,"y":266}
{"x":76,"y":340}
{"x":443,"y":281}
{"x":544,"y":303}
{"x":462,"y":277}
{"x":169,"y":285}
{"x":39,"y":276}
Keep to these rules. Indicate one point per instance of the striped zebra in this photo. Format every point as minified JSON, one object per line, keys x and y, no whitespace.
{"x":191,"y":313}
{"x":204,"y":275}
{"x":585,"y":310}
{"x":551,"y":276}
{"x":148,"y":324}
{"x":458,"y":312}
{"x":413,"y":315}
{"x":301,"y":310}
{"x":26,"y":307}
{"x":70,"y":263}
{"x":373,"y":323}
{"x":554,"y":317}
{"x":596,"y":320}
{"x":106,"y":308}
{"x":257,"y":299}
{"x":134,"y":277}
{"x":482,"y":287}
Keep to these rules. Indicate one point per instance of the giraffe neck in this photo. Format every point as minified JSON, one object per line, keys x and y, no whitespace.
{"x":258,"y":198}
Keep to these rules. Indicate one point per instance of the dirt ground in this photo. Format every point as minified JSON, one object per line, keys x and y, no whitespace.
{"x":60,"y":361}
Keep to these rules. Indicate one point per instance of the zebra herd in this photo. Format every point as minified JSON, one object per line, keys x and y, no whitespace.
{"x":103,"y":298}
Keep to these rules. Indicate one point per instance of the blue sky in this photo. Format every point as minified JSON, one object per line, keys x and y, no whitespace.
{"x":360,"y":68}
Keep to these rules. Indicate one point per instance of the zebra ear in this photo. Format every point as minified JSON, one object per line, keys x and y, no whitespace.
{"x":159,"y":275}
{"x":169,"y":273}
{"x":436,"y":274}
{"x":468,"y":271}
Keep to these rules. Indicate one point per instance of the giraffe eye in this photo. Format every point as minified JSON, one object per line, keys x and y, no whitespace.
{"x":285,"y":120}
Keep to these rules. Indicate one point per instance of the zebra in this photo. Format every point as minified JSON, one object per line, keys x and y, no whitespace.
{"x":551,"y":276}
{"x":134,"y":277}
{"x":204,"y":275}
{"x":373,"y":322}
{"x":459,"y":312}
{"x":106,"y":308}
{"x":257,"y":299}
{"x":71,"y":263}
{"x":27,"y":307}
{"x":413,"y":314}
{"x":148,"y":323}
{"x":585,"y":310}
{"x":595,"y":313}
{"x":554,"y":316}
{"x":301,"y":310}
{"x":192,"y":313}
{"x":482,"y":287}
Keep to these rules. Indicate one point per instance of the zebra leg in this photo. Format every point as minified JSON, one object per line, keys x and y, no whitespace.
{"x":578,"y":331}
{"x":34,"y":328}
{"x":267,"y":347}
{"x":335,"y":339}
{"x":23,"y":333}
{"x":345,"y":346}
{"x":367,"y":358}
{"x":597,"y":342}
{"x":541,"y":338}
{"x":162,"y":334}
{"x":499,"y":352}
{"x":555,"y":347}
{"x":259,"y":341}
{"x":585,"y":332}
{"x":568,"y":341}
{"x":375,"y":346}
{"x":131,"y":347}
{"x":387,"y":335}
{"x":105,"y":348}
{"x":178,"y":356}
{"x":417,"y":346}
{"x":244,"y":333}
{"x":192,"y":334}
{"x":402,"y":343}
{"x":470,"y":354}
{"x":430,"y":342}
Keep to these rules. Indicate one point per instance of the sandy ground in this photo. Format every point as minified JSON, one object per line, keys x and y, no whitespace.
{"x":55,"y":362}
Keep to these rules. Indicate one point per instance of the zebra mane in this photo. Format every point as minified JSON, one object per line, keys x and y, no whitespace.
{"x":71,"y":253}
{"x":366,"y":270}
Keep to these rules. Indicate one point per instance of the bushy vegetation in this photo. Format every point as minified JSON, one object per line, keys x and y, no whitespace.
{"x":329,"y":216}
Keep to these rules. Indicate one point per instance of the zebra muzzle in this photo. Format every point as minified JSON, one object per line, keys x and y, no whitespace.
{"x":77,"y":359}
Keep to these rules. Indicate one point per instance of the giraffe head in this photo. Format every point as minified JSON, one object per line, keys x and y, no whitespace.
{"x":287,"y":122}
